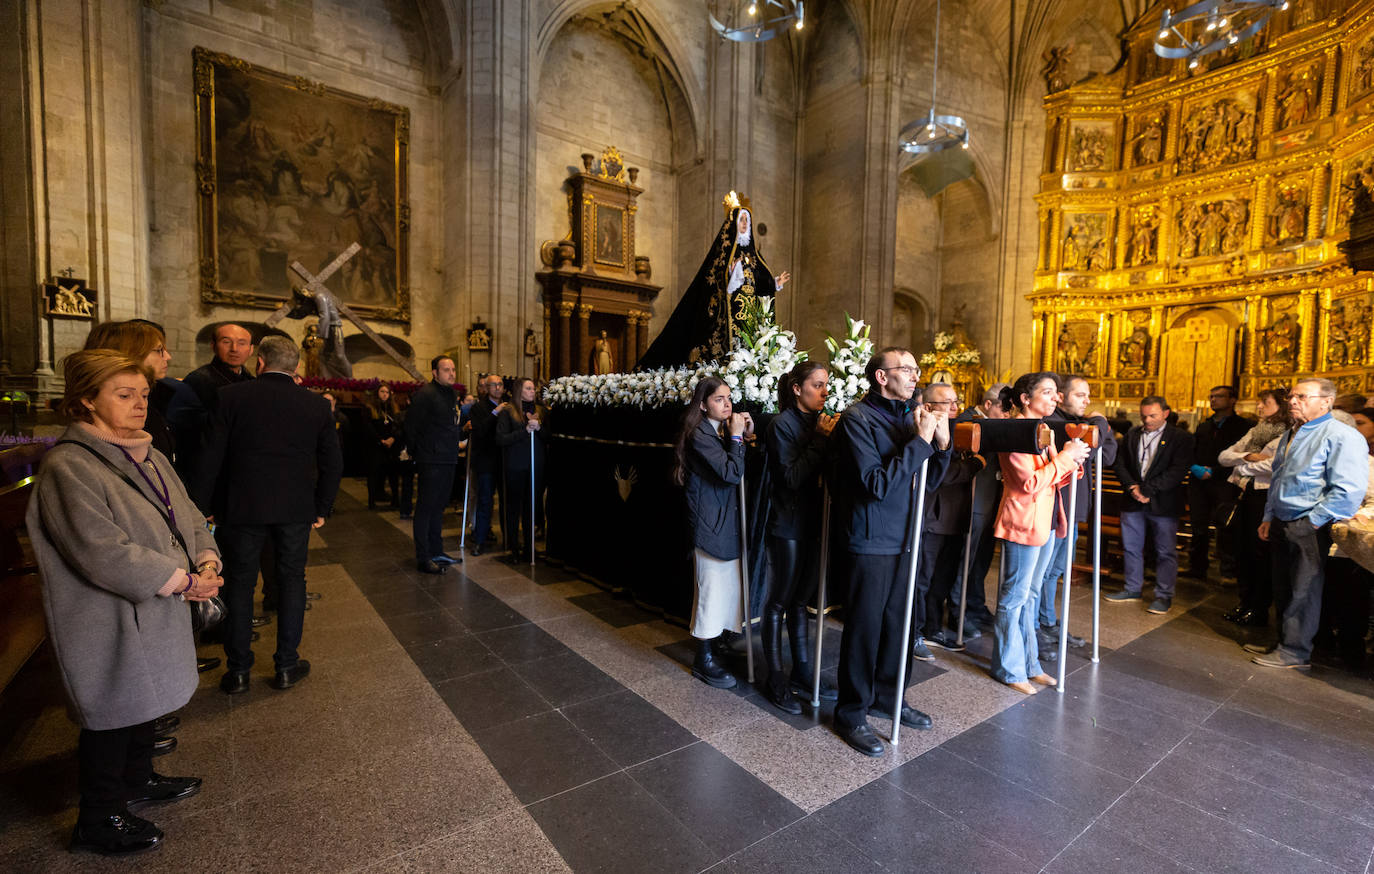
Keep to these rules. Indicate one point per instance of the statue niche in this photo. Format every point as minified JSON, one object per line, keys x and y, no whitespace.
{"x":1147,"y":146}
{"x":1087,"y":245}
{"x":1298,"y":92}
{"x":1287,"y":219}
{"x":1219,"y":133}
{"x":1212,"y":228}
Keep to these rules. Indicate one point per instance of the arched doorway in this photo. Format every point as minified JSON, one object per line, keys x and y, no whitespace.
{"x":1199,"y":351}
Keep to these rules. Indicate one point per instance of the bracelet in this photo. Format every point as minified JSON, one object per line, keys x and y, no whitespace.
{"x":738,"y":438}
{"x":187,"y":587}
{"x":200,"y":568}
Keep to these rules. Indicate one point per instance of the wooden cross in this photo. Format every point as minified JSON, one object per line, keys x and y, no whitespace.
{"x":315,"y":287}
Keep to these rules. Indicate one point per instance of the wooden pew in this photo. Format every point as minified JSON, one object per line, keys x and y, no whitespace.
{"x":22,"y":626}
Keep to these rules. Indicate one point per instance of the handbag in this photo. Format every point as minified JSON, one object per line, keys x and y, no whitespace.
{"x":204,"y":614}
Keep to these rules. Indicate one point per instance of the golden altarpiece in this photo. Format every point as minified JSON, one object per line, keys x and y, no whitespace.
{"x":596,"y":293}
{"x":1189,"y":219}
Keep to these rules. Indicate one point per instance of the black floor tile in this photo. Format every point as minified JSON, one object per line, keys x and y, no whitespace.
{"x":805,"y":845}
{"x":546,"y":574}
{"x":452,"y":657}
{"x":1026,"y":822}
{"x":614,"y":826}
{"x":1336,"y":840}
{"x":1153,"y":728}
{"x":522,"y":643}
{"x":394,"y":602}
{"x":542,"y":755}
{"x":1101,"y":850}
{"x":412,"y":628}
{"x":725,"y":806}
{"x":1061,"y":778}
{"x":902,"y":833}
{"x":1109,"y":680}
{"x":1318,"y":749}
{"x":490,"y":698}
{"x":1348,"y":721}
{"x":627,"y":728}
{"x":1197,"y":684}
{"x":566,"y":679}
{"x":1079,"y":738}
{"x":490,"y":615}
{"x":1200,"y":840}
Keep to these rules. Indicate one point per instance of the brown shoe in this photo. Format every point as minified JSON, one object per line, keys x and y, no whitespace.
{"x":1044,"y":680}
{"x":1024,"y":688}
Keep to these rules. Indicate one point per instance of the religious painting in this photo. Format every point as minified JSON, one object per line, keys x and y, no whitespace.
{"x":610,"y":235}
{"x":1217,"y":131}
{"x":1076,"y":348}
{"x":1087,"y":242}
{"x":1297,"y":94}
{"x":1209,"y":228}
{"x":293,"y":170}
{"x":1356,"y":175}
{"x":1149,"y":132}
{"x":1288,"y":207}
{"x":1092,"y":147}
{"x":1361,"y":70}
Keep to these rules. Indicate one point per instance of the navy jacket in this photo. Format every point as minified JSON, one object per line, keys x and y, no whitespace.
{"x":878,"y":456}
{"x":1161,"y":483}
{"x":514,"y":440}
{"x":1107,"y":439}
{"x":987,"y":482}
{"x":1211,"y":438}
{"x":486,"y":456}
{"x":947,"y":508}
{"x":796,"y":452}
{"x":432,"y":429}
{"x":715,"y":466}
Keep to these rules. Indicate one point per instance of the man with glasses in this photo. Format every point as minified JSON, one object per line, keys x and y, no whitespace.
{"x":486,"y":456}
{"x":880,"y":446}
{"x":1320,"y":476}
{"x":1208,"y":488}
{"x":433,"y":432}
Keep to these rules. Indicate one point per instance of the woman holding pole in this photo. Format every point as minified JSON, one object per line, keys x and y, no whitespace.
{"x":521,"y":438}
{"x":797,"y":440}
{"x":709,"y":463}
{"x":1025,"y":522}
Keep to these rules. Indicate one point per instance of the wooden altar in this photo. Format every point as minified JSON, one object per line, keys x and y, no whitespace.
{"x":595,"y":283}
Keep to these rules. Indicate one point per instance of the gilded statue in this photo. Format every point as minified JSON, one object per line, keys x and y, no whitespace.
{"x":1090,"y":149}
{"x":1056,"y":69}
{"x":1279,"y":343}
{"x":1149,"y":143}
{"x":1216,"y":134}
{"x":1144,"y":237}
{"x":1357,"y":340}
{"x":1362,"y":77}
{"x":1287,"y":220}
{"x":1211,"y":229}
{"x":1237,"y":213}
{"x":1359,"y":178}
{"x":1133,"y":353}
{"x":1337,"y":340}
{"x":311,"y":344}
{"x":1189,"y":230}
{"x":1068,"y":359}
{"x":1074,"y":243}
{"x":601,"y":356}
{"x":1297,"y":96}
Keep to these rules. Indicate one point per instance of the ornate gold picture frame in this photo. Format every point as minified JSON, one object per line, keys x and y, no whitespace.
{"x":289,"y":169}
{"x":609,"y":235}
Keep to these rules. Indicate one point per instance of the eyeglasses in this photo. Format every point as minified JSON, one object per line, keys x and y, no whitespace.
{"x":950,"y":404}
{"x":1306,"y":397}
{"x":904,"y":368}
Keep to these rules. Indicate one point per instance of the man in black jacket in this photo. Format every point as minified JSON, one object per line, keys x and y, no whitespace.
{"x":1151,"y":468}
{"x":277,"y":483}
{"x":987,"y":497}
{"x":1208,"y":488}
{"x":881,"y":445}
{"x":1073,"y":408}
{"x":486,"y":456}
{"x":433,"y":432}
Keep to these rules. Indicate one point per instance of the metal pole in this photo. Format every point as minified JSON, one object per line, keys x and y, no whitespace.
{"x":529,"y":535}
{"x":820,"y":596}
{"x":1097,"y":545}
{"x":744,"y":580}
{"x":968,"y":546}
{"x":1068,"y":574}
{"x":905,"y":654}
{"x":467,"y":487}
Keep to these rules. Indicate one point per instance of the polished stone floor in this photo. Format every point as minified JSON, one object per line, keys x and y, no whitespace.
{"x":516,"y":719}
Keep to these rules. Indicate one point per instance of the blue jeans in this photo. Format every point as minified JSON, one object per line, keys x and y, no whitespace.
{"x":1053,"y":571}
{"x":1164,"y":530}
{"x":242,"y":547}
{"x":1015,"y":652}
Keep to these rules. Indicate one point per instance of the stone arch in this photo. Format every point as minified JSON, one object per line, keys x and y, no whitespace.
{"x":911,"y":306}
{"x":444,"y":27}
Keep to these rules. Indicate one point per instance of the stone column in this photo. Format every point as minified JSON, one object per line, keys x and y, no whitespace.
{"x":643,"y":329}
{"x":565,"y":310}
{"x":629,"y":353}
{"x":584,"y":338}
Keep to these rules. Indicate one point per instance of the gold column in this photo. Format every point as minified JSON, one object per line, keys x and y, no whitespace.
{"x":1307,"y":318}
{"x":1156,"y":344}
{"x":1254,"y":308}
{"x":1113,"y":344}
{"x":1315,"y":201}
{"x":565,"y":309}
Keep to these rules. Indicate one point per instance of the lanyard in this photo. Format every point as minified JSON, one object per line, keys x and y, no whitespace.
{"x":164,"y":494}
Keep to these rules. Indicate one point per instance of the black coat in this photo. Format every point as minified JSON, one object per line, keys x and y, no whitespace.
{"x":1107,"y":439}
{"x":432,"y":425}
{"x":947,"y":508}
{"x":796,"y":452}
{"x":273,"y":451}
{"x":208,"y":379}
{"x":715,"y":466}
{"x":514,"y":440}
{"x":987,"y":493}
{"x":1209,"y":440}
{"x":1161,"y":483}
{"x":486,"y":455}
{"x":878,"y":455}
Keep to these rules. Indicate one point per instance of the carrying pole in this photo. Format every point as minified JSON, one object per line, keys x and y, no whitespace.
{"x":905,"y":652}
{"x":529,"y":535}
{"x":968,"y":546}
{"x":1068,"y":574}
{"x":467,"y":487}
{"x":1097,"y":546}
{"x":820,"y":596}
{"x":744,"y":583}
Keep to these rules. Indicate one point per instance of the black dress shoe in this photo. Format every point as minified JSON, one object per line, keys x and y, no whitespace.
{"x":1234,"y":614}
{"x":260,"y":621}
{"x":476,"y":550}
{"x":862,"y":738}
{"x":1259,"y":648}
{"x":208,"y":664}
{"x":706,"y":669}
{"x":166,"y":724}
{"x":1253,"y":618}
{"x":160,"y":789}
{"x":1053,"y":631}
{"x":164,"y":745}
{"x":430,"y":567}
{"x":234,"y":683}
{"x":780,"y":695}
{"x":445,"y":558}
{"x":289,"y":677}
{"x":801,"y":686}
{"x":121,"y":834}
{"x":911,"y":717}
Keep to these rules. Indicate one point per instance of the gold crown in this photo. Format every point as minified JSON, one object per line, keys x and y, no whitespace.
{"x":734,"y":201}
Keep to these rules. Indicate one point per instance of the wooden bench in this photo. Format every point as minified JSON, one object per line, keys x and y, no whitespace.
{"x":22,"y":625}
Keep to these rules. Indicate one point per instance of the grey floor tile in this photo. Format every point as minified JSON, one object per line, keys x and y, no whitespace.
{"x":627,"y":728}
{"x":490,"y":698}
{"x":1319,"y":749}
{"x":613,"y":825}
{"x":1194,"y":683}
{"x":409,"y":599}
{"x":805,"y":845}
{"x":1101,"y":850}
{"x":452,"y":657}
{"x":522,"y":643}
{"x":1153,"y":728}
{"x":412,"y":628}
{"x":566,"y":679}
{"x":542,"y":755}
{"x":1079,"y":738}
{"x":725,"y":806}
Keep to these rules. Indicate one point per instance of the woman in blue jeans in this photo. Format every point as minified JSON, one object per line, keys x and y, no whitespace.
{"x":1025,"y":521}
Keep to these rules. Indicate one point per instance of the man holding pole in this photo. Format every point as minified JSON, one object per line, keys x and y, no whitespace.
{"x":880,"y":452}
{"x":432,"y":437}
{"x":485,"y":456}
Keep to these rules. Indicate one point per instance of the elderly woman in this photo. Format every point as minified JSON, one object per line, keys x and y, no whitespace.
{"x":114,"y":531}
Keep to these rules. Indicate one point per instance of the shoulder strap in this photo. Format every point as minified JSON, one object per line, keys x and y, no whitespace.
{"x":133,"y":485}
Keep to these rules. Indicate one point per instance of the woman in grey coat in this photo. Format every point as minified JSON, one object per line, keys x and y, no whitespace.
{"x":115,"y":585}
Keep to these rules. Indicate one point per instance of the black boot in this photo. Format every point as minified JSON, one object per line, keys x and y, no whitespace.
{"x":708,"y":670}
{"x":776,"y":688}
{"x":803,"y":675}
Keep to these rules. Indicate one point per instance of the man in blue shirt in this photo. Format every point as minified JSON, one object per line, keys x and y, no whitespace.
{"x":1320,"y":476}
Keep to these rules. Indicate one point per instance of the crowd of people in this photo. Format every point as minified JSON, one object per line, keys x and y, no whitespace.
{"x":165,"y":494}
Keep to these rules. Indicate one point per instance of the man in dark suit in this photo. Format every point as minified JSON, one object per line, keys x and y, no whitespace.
{"x":1208,"y":488}
{"x":987,"y":497}
{"x":433,"y":434}
{"x":486,"y":456}
{"x":277,"y":484}
{"x":1151,"y":468}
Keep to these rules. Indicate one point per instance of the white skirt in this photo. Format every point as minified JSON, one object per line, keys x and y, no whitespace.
{"x":717,"y":605}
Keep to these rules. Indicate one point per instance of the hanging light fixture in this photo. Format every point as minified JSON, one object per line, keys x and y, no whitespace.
{"x":935,"y":133}
{"x":1214,"y":25}
{"x":754,"y":20}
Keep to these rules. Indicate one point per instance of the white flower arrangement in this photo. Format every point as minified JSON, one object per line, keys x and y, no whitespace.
{"x":943,"y":340}
{"x":848,"y":381}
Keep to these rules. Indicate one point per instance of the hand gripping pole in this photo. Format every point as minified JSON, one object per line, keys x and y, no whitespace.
{"x":917,"y":523}
{"x":820,"y":597}
{"x":744,"y":581}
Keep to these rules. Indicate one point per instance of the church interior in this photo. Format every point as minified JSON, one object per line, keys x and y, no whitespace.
{"x":1157,"y":203}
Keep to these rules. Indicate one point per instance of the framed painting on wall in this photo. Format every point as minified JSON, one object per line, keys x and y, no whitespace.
{"x":288,"y":170}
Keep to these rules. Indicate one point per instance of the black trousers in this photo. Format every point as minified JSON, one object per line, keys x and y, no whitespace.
{"x":871,"y":646}
{"x":111,"y":762}
{"x":515,"y":508}
{"x":980,"y":562}
{"x":1254,"y":575}
{"x":942,"y":557}
{"x":1204,"y":497}
{"x":243,"y":545}
{"x":1347,"y":606}
{"x":435,"y":489}
{"x":484,"y":487}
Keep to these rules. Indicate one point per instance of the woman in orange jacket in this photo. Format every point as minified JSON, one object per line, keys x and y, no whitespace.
{"x":1027,"y":517}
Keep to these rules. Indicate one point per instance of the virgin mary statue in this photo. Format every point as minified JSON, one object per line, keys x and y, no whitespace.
{"x":706,"y":322}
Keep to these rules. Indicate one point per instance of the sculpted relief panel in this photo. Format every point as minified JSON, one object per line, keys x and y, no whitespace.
{"x":1087,"y":243}
{"x":1298,"y":95}
{"x":1219,"y":132}
{"x":1092,"y":147}
{"x":1210,"y":228}
{"x":1147,"y":143}
{"x":1287,"y":219}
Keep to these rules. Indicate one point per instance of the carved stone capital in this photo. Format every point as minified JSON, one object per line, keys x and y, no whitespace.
{"x":584,"y":311}
{"x":565,"y":308}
